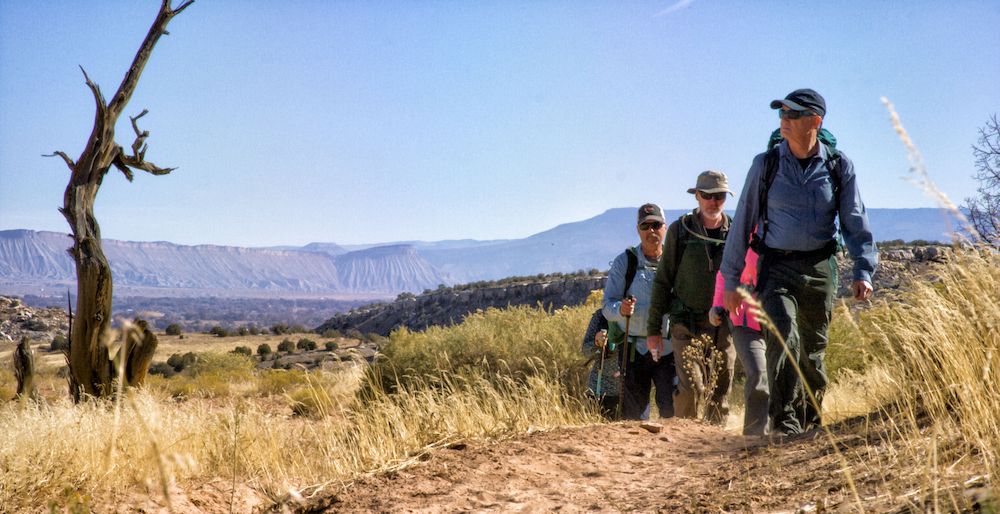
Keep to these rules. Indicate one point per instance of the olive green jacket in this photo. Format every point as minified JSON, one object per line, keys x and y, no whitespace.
{"x":685,"y":276}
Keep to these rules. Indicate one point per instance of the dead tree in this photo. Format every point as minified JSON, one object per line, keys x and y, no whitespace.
{"x":24,"y":370}
{"x":984,"y":209}
{"x":89,"y":362}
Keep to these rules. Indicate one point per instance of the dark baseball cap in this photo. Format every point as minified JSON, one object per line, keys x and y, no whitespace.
{"x":650,"y":212}
{"x":802,"y":100}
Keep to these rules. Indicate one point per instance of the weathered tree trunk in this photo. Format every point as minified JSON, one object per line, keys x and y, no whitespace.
{"x":89,"y":365}
{"x":24,"y":370}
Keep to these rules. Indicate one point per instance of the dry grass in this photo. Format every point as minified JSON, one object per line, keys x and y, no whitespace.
{"x":283,"y":433}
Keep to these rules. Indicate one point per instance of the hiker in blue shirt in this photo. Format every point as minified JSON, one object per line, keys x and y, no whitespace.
{"x":642,"y":369}
{"x":794,"y":207}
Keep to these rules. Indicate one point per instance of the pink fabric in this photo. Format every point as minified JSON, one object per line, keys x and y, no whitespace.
{"x":748,"y":278}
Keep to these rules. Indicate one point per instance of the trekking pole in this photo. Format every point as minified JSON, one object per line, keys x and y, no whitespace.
{"x":604,"y":350}
{"x":623,"y":356}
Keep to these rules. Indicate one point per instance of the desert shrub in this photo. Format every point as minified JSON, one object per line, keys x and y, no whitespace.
{"x":59,"y":343}
{"x":179,"y":362}
{"x":242,"y":331}
{"x":515,"y":342}
{"x":297,"y":329}
{"x":354,"y":334}
{"x":253,"y":330}
{"x":275,"y":382}
{"x":173,"y":329}
{"x":243,"y":350}
{"x":332,"y":334}
{"x":846,"y":349}
{"x":280,"y":329}
{"x":314,"y":402}
{"x":163,"y":369}
{"x":264,"y":350}
{"x":330,"y":346}
{"x":36,"y":325}
{"x":213,"y":375}
{"x":219,"y":331}
{"x":306,"y":344}
{"x":286,"y":345}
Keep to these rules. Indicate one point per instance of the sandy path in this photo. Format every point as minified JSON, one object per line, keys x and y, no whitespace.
{"x":688,"y":466}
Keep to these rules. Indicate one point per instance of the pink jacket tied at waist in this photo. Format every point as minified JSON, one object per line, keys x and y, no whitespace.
{"x":742,"y":317}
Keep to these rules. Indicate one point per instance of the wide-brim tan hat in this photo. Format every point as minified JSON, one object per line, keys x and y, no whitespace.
{"x":711,"y":181}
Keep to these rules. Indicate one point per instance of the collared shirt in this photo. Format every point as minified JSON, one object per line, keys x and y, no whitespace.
{"x":801,"y":213}
{"x":641,"y":288}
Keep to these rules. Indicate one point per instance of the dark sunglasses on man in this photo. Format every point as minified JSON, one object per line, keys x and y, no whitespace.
{"x":651,"y":225}
{"x":712,"y":196}
{"x":794,"y":115}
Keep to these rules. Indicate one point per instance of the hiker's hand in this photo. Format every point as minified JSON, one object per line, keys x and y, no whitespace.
{"x":715,"y":316}
{"x":655,"y":343}
{"x":627,"y":307}
{"x":862,"y":290}
{"x":601,"y":339}
{"x":731,"y":300}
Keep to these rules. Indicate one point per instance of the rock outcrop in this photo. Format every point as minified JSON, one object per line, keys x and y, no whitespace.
{"x":452,"y":305}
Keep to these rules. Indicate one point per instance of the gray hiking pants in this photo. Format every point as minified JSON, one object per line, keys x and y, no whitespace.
{"x":751,"y":348}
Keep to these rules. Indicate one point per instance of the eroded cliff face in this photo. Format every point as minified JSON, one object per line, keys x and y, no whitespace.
{"x":39,"y":260}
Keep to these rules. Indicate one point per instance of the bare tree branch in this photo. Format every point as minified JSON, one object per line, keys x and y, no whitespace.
{"x":69,"y":162}
{"x":131,"y":79}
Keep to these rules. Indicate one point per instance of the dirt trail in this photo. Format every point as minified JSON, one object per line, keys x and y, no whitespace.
{"x":687,"y":467}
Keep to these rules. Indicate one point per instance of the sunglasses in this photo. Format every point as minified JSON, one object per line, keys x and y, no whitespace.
{"x":794,"y":115}
{"x":713,"y":196}
{"x":654,"y":225}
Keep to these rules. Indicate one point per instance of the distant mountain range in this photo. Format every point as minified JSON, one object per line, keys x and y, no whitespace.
{"x":31,"y":261}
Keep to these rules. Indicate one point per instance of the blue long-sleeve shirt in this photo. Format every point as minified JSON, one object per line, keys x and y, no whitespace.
{"x":801,"y":213}
{"x":641,"y":288}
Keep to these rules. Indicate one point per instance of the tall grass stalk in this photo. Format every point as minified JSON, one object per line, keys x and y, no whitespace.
{"x":943,"y":345}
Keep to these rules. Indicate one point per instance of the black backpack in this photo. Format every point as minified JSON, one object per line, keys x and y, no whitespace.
{"x":832,"y":163}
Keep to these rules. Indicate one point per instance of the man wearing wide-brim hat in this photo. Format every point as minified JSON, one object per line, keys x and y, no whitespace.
{"x":683,"y":291}
{"x":793,"y":195}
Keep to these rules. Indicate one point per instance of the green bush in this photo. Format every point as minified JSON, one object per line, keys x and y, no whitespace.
{"x":243,"y":350}
{"x":264,"y":350}
{"x":286,"y":345}
{"x":59,"y":343}
{"x":173,"y":329}
{"x":331,"y":346}
{"x":163,"y":369}
{"x":218,"y":331}
{"x":181,"y":362}
{"x":306,"y":344}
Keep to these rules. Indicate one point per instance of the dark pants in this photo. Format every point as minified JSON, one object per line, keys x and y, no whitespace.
{"x":797,"y":294}
{"x":641,"y":376}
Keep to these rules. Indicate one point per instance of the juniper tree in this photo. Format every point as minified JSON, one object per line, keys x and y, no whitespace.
{"x":92,"y":372}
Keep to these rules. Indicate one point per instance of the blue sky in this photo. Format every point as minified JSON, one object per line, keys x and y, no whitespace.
{"x":361,"y":122}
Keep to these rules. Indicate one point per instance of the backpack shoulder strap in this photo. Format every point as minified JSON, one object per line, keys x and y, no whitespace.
{"x":766,"y":179}
{"x":630,"y":270}
{"x":833,"y":166}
